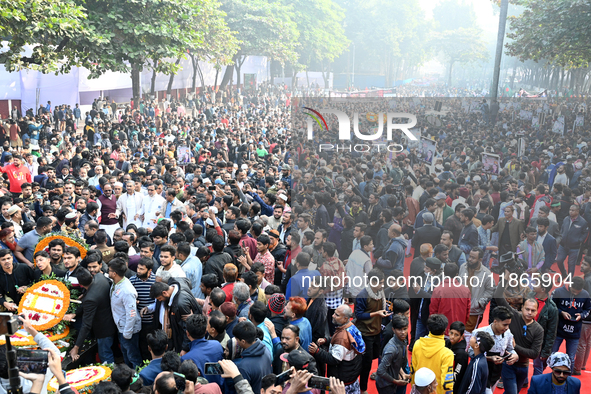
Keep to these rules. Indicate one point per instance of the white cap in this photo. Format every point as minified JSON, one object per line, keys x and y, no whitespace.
{"x":424,"y":377}
{"x":477,"y":177}
{"x":209,"y":221}
{"x":244,"y":166}
{"x":282,"y":196}
{"x":214,"y":210}
{"x":206,"y":180}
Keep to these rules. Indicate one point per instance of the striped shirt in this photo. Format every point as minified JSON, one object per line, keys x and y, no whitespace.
{"x":143,"y":294}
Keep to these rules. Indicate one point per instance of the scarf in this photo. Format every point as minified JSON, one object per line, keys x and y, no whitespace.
{"x":378,"y":296}
{"x":11,"y":245}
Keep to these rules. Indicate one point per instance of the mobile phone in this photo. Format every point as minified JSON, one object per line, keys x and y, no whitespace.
{"x":32,"y":361}
{"x":211,"y":188}
{"x":319,"y":382}
{"x":213,"y":369}
{"x":39,"y":196}
{"x":282,"y":377}
{"x":506,"y":356}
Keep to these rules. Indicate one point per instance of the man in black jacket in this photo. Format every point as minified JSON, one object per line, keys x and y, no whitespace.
{"x":14,"y":280}
{"x":177,"y":301}
{"x":457,"y":344}
{"x":427,"y":234}
{"x":95,"y":315}
{"x":218,"y":259}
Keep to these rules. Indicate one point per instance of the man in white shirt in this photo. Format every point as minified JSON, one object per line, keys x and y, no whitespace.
{"x":130,"y":205}
{"x":167,"y":256}
{"x":151,"y":206}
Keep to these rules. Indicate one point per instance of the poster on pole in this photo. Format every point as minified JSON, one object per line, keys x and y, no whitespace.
{"x":580,"y":121}
{"x":558,"y":126}
{"x":414,"y":143}
{"x":535,"y":121}
{"x":491,"y":164}
{"x":183,"y":155}
{"x":427,"y":150}
{"x":521,"y":147}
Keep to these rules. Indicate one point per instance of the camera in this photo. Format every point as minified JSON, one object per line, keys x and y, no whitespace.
{"x":511,"y":262}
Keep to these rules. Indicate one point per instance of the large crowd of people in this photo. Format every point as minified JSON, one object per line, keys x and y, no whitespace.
{"x":217,"y":233}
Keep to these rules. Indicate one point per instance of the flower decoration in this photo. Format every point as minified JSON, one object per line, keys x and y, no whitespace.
{"x":45,"y":303}
{"x":68,"y":239}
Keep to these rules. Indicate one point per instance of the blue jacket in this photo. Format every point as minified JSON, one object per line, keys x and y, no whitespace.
{"x":204,"y":351}
{"x":299,"y":283}
{"x":194,"y":270}
{"x":150,"y":372}
{"x":265,"y":209}
{"x":573,"y":235}
{"x":570,"y":329}
{"x":476,"y":376}
{"x":395,"y":253}
{"x":254,"y":364}
{"x":305,"y":331}
{"x":550,"y":250}
{"x":542,"y":384}
{"x":419,"y":220}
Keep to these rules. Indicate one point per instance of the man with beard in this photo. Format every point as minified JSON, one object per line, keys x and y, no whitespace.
{"x":455,"y":254}
{"x":130,"y":205}
{"x":26,"y":245}
{"x":344,"y":356}
{"x":278,"y":250}
{"x":17,"y":175}
{"x":290,"y":340}
{"x":478,"y":278}
{"x":142,"y":282}
{"x":173,"y":301}
{"x":72,"y":261}
{"x":557,"y":381}
{"x":90,"y":214}
{"x":108,"y":210}
{"x":15,"y":279}
{"x":275,"y":220}
{"x":284,"y":228}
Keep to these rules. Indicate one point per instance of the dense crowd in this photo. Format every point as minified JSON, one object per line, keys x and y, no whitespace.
{"x":217,"y":233}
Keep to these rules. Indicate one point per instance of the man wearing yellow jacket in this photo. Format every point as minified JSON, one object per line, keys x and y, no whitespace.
{"x":430,"y":352}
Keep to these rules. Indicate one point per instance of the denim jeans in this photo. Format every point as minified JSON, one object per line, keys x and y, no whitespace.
{"x":421,"y":330}
{"x":539,"y":366}
{"x":104,"y":349}
{"x":513,"y":378}
{"x":563,"y":253}
{"x":131,"y":350}
{"x":571,"y":349}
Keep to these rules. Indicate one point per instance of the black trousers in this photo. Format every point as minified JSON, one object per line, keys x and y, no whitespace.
{"x":372,"y":351}
{"x":146,"y":329}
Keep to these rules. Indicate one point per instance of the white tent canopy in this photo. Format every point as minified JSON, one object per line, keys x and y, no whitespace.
{"x":34,"y":88}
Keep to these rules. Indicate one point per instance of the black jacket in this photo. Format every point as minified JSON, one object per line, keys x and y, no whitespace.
{"x":183,"y":304}
{"x":22,"y":275}
{"x":58,"y":272}
{"x":346,"y":243}
{"x":427,"y":234}
{"x":215,"y":265}
{"x":287,"y":232}
{"x":460,"y":362}
{"x":316,"y":313}
{"x":95,"y":311}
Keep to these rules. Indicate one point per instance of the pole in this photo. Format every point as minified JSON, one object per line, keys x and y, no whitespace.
{"x":499,"y":52}
{"x":353,"y":68}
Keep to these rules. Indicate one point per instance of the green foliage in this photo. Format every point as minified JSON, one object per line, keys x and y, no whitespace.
{"x":553,"y":31}
{"x":263,"y":28}
{"x":51,"y":28}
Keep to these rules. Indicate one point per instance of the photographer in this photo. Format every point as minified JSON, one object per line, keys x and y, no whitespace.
{"x":528,"y":334}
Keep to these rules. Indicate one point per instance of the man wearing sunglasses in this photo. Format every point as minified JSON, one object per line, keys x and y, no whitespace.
{"x":559,"y":381}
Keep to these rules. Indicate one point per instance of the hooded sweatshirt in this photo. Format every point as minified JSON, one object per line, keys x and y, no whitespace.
{"x":254,"y":364}
{"x":430,"y":352}
{"x":566,"y":302}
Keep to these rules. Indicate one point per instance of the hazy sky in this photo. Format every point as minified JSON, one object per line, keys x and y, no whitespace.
{"x":484,"y":11}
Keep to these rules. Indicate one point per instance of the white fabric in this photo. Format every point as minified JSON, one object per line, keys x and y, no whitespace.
{"x":150,"y":206}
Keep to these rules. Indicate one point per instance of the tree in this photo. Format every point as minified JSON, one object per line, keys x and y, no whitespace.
{"x":50,"y":28}
{"x":552,"y":31}
{"x":264,"y":29}
{"x":321,"y":33}
{"x":460,"y":46}
{"x":454,"y":14}
{"x":138,"y":31}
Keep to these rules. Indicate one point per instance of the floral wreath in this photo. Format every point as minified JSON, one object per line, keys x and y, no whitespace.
{"x":82,"y":379}
{"x":45,"y":292}
{"x":68,"y":239}
{"x":28,"y":341}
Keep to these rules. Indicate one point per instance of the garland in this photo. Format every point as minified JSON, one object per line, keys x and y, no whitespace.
{"x":48,"y":295}
{"x":92,"y":375}
{"x":70,"y":240}
{"x":53,"y":335}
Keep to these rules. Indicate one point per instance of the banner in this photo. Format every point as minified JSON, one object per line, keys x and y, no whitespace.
{"x":491,"y":163}
{"x":427,"y":150}
{"x":558,"y":126}
{"x":183,"y":155}
{"x":535,"y":121}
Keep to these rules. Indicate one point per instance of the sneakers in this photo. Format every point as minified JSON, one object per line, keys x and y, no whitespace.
{"x":577,"y":373}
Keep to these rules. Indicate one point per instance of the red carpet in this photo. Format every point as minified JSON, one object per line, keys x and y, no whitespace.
{"x":584,"y":378}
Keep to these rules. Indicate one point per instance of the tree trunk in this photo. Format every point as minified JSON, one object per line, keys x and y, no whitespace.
{"x":307,"y":79}
{"x":194,"y":78}
{"x":514,"y":72}
{"x":451,"y":64}
{"x":238,"y":66}
{"x":228,"y":76}
{"x":153,"y":82}
{"x":171,"y":78}
{"x":135,"y":83}
{"x":201,"y":78}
